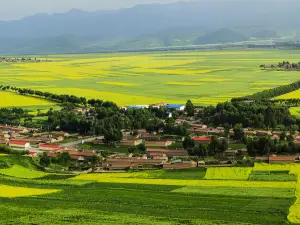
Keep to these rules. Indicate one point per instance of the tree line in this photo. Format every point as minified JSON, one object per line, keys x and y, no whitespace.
{"x":215,"y":147}
{"x":265,"y":146}
{"x":271,"y":93}
{"x":256,"y":114}
{"x":284,"y":65}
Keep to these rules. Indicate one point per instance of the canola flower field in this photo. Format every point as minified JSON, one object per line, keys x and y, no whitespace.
{"x":205,"y":77}
{"x":149,"y":197}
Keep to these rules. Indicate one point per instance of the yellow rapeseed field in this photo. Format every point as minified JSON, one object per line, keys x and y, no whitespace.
{"x":185,"y":83}
{"x":294,"y":213}
{"x":117,"y":83}
{"x":11,"y":191}
{"x":8,"y":99}
{"x":294,"y":94}
{"x":109,"y":178}
{"x":272,"y":167}
{"x":295,"y":111}
{"x":127,"y":99}
{"x":205,"y":77}
{"x":228,"y":173}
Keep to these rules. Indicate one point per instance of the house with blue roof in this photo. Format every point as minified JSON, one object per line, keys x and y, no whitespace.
{"x":177,"y":107}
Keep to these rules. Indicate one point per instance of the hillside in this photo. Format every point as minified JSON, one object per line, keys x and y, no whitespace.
{"x":223,"y":35}
{"x":265,"y":34}
{"x":158,"y":25}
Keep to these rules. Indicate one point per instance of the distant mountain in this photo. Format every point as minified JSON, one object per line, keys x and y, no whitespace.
{"x":265,"y":34}
{"x":223,"y":35}
{"x":146,"y":26}
{"x":180,"y":36}
{"x":147,"y":19}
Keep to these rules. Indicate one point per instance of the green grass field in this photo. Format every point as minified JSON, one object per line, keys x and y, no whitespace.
{"x":205,"y":77}
{"x":148,"y":197}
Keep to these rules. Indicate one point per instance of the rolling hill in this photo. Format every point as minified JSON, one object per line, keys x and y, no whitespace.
{"x":145,"y":26}
{"x":223,"y":35}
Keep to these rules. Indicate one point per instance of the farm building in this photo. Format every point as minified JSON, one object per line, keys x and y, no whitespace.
{"x":32,"y":154}
{"x":150,"y":137}
{"x":234,"y":152}
{"x":275,"y":137}
{"x":81,"y":110}
{"x":4,"y":141}
{"x":180,"y":165}
{"x":60,"y":134}
{"x":170,"y":153}
{"x":262,"y":158}
{"x":281,"y":159}
{"x":158,"y":143}
{"x":263,"y":132}
{"x":75,"y":154}
{"x":159,"y":156}
{"x":202,"y":140}
{"x":48,"y":147}
{"x":130,"y":163}
{"x":131,"y":142}
{"x":4,"y":135}
{"x":19,"y":145}
{"x":158,"y":105}
{"x":199,"y":126}
{"x":23,"y":130}
{"x":297,"y":138}
{"x":176,"y":107}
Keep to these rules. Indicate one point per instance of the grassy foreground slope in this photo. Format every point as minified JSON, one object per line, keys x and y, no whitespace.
{"x":205,"y":77}
{"x":149,"y":197}
{"x":142,"y":204}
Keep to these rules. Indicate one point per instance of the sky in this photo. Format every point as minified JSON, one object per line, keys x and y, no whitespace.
{"x":16,"y":9}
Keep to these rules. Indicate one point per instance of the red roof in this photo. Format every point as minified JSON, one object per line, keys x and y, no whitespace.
{"x":18,"y":142}
{"x":32,"y":153}
{"x":49,"y":146}
{"x":282,"y":158}
{"x":197,"y":125}
{"x":202,"y":139}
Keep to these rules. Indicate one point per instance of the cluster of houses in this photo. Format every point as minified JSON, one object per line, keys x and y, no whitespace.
{"x":159,"y":150}
{"x":153,"y":159}
{"x":178,"y":107}
{"x":203,"y":131}
{"x":8,"y":59}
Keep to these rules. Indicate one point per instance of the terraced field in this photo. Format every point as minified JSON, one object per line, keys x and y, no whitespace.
{"x":205,"y":77}
{"x":149,"y":197}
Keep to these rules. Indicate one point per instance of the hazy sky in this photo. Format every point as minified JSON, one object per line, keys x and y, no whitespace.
{"x":16,"y":9}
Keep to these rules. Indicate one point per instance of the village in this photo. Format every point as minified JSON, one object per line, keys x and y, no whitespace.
{"x":161,"y":151}
{"x":23,"y":60}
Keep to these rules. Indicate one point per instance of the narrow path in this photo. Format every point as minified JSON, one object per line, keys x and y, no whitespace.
{"x":80,"y":141}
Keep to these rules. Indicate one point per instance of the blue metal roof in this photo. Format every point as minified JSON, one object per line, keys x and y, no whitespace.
{"x":175,"y":106}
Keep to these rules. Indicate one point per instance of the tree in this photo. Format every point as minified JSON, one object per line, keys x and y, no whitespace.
{"x":283,"y":136}
{"x":223,"y":146}
{"x":95,"y":160}
{"x":189,"y":108}
{"x":44,"y":160}
{"x":238,"y":132}
{"x":113,"y":135}
{"x":213,"y":146}
{"x":64,"y":158}
{"x":199,"y":151}
{"x":188,"y":143}
{"x":142,"y":148}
